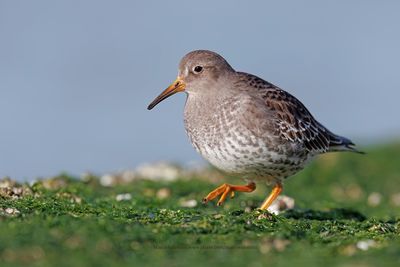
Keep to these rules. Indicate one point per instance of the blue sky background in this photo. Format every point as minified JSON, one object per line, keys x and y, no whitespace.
{"x":76,"y":76}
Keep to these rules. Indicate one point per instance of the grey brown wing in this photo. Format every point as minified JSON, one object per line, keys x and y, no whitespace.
{"x":294,"y":122}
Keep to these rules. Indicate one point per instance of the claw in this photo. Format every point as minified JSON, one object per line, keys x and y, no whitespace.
{"x":225,"y":189}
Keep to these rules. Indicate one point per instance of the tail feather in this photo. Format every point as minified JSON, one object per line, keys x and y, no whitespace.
{"x":340,"y":143}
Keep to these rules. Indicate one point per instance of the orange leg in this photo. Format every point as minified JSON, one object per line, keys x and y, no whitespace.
{"x":274,"y":194}
{"x":225,"y":189}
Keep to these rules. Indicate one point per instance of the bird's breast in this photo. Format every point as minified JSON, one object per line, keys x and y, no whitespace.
{"x":217,"y":132}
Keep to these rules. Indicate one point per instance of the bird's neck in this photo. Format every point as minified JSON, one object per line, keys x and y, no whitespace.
{"x":201,"y":110}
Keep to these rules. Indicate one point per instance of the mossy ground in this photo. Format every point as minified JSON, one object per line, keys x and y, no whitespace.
{"x":347,"y":214}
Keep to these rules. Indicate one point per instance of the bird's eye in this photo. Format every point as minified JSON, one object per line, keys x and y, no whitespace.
{"x":198,"y":69}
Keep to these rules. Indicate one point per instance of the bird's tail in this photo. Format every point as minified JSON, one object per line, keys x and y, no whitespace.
{"x":340,"y":143}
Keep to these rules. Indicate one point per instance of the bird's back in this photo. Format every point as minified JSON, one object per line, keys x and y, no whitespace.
{"x":292,"y":120}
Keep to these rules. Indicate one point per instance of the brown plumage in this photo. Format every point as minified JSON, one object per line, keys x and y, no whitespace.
{"x":243,"y":124}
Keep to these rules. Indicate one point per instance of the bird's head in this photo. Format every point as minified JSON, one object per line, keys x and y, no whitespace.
{"x":198,"y":71}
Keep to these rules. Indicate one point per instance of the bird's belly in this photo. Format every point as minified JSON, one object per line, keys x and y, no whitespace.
{"x":243,"y":153}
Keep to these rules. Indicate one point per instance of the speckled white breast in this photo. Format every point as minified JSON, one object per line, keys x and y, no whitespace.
{"x":227,"y":144}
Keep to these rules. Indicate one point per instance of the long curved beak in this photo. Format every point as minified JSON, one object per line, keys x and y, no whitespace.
{"x":177,"y":86}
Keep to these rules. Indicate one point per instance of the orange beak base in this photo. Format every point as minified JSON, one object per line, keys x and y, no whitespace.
{"x":177,"y":86}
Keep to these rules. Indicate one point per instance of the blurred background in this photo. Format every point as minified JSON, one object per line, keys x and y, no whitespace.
{"x":76,"y":76}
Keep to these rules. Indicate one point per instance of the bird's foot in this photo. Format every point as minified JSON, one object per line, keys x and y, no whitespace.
{"x":270,"y":199}
{"x":226,"y":189}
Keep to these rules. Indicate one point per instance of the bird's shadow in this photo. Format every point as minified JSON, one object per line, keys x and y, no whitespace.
{"x":333,"y":214}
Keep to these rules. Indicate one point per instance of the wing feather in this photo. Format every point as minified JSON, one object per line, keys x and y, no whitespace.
{"x":293,"y":121}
